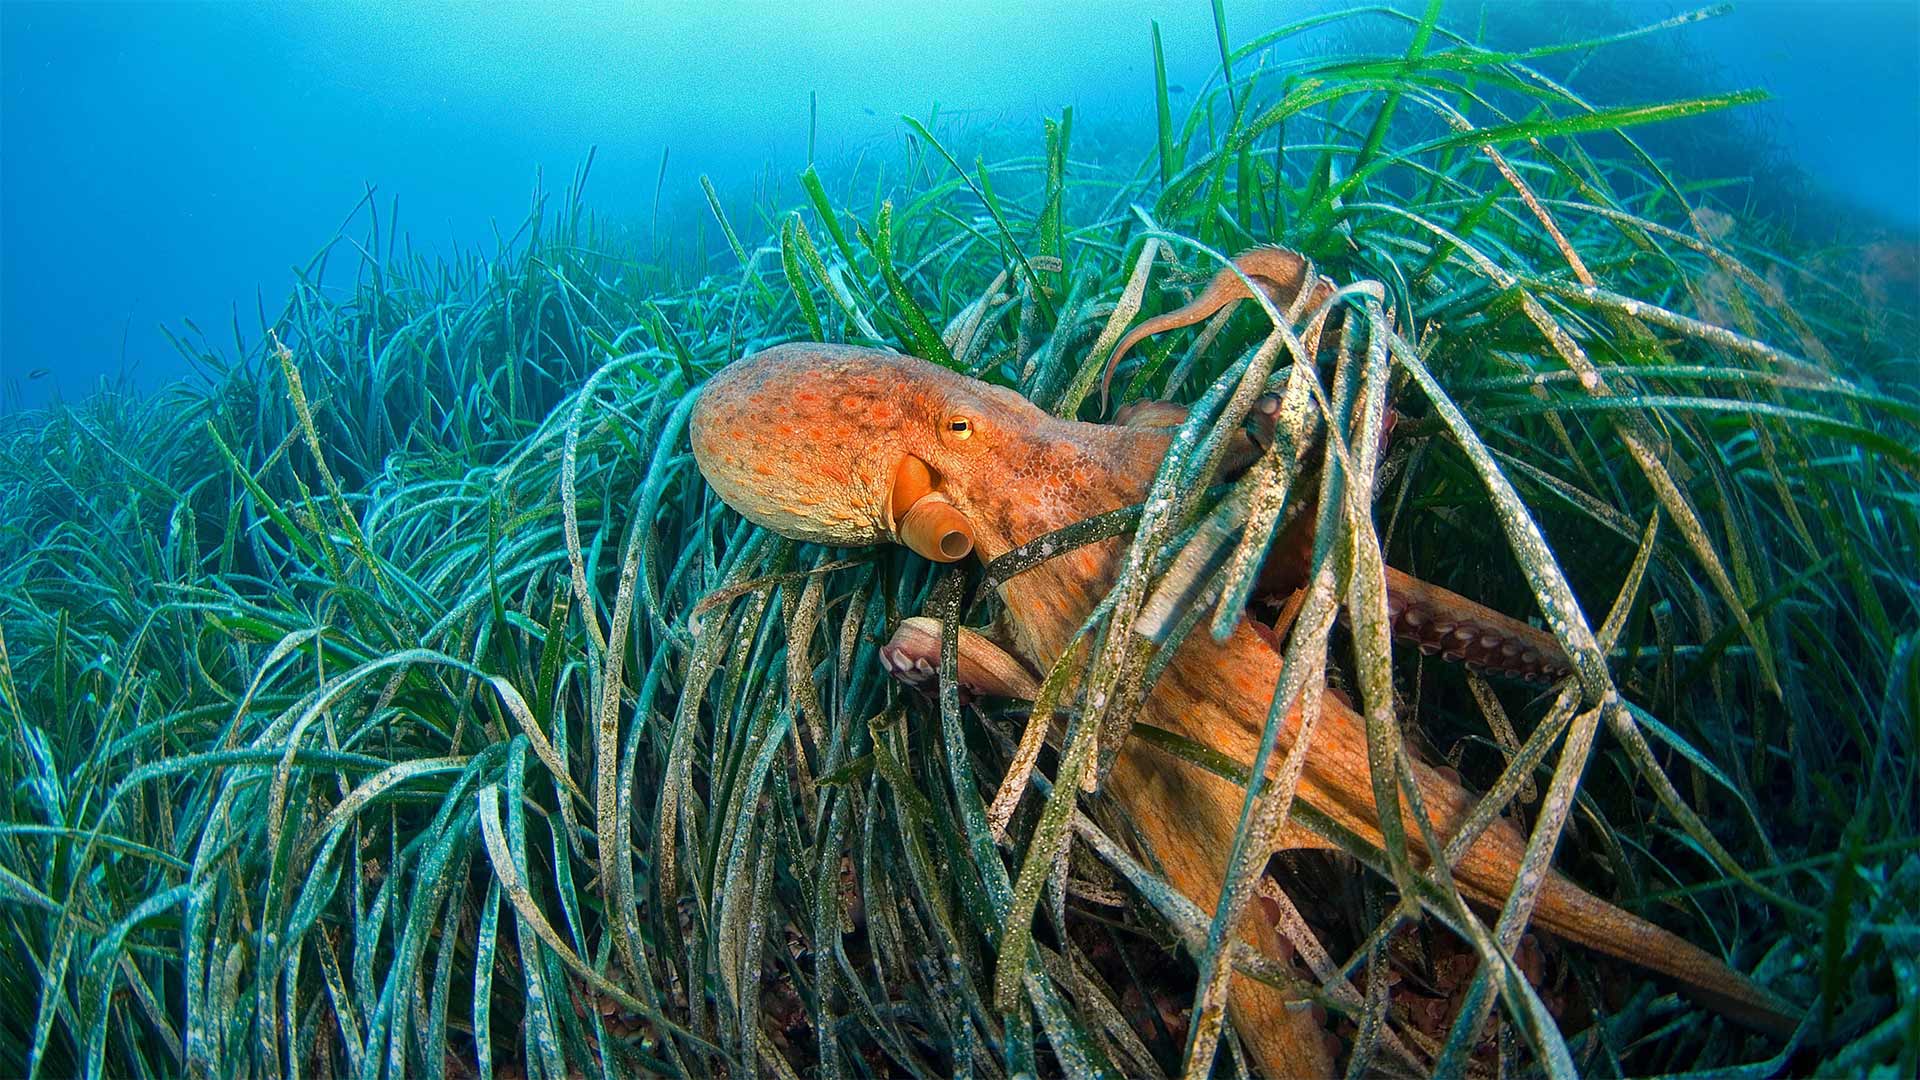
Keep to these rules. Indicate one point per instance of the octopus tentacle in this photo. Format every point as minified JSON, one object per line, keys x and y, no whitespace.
{"x":1445,"y":623}
{"x":912,"y":655}
{"x":1439,"y":621}
{"x":1280,"y":274}
{"x":1249,"y":443}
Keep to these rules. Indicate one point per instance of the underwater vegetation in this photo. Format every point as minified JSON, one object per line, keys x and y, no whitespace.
{"x":396,"y":697}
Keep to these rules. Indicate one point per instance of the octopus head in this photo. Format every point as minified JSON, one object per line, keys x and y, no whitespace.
{"x":849,"y":446}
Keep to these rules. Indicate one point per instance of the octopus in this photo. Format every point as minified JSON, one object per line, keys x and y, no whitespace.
{"x":851,"y":446}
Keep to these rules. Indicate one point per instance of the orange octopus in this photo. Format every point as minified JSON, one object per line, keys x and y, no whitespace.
{"x":851,"y":446}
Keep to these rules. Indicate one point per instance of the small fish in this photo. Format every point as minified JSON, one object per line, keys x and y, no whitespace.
{"x":38,"y":373}
{"x":1176,"y":88}
{"x":868,"y":110}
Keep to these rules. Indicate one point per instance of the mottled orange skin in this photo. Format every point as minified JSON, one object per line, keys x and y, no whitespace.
{"x":805,"y":438}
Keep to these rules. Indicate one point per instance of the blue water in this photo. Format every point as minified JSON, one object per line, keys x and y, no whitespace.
{"x":172,"y":163}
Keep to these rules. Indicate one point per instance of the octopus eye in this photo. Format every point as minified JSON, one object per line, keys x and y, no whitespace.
{"x":961,"y":427}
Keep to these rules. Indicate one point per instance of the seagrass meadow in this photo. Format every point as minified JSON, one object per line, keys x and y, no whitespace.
{"x":393,"y":697}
